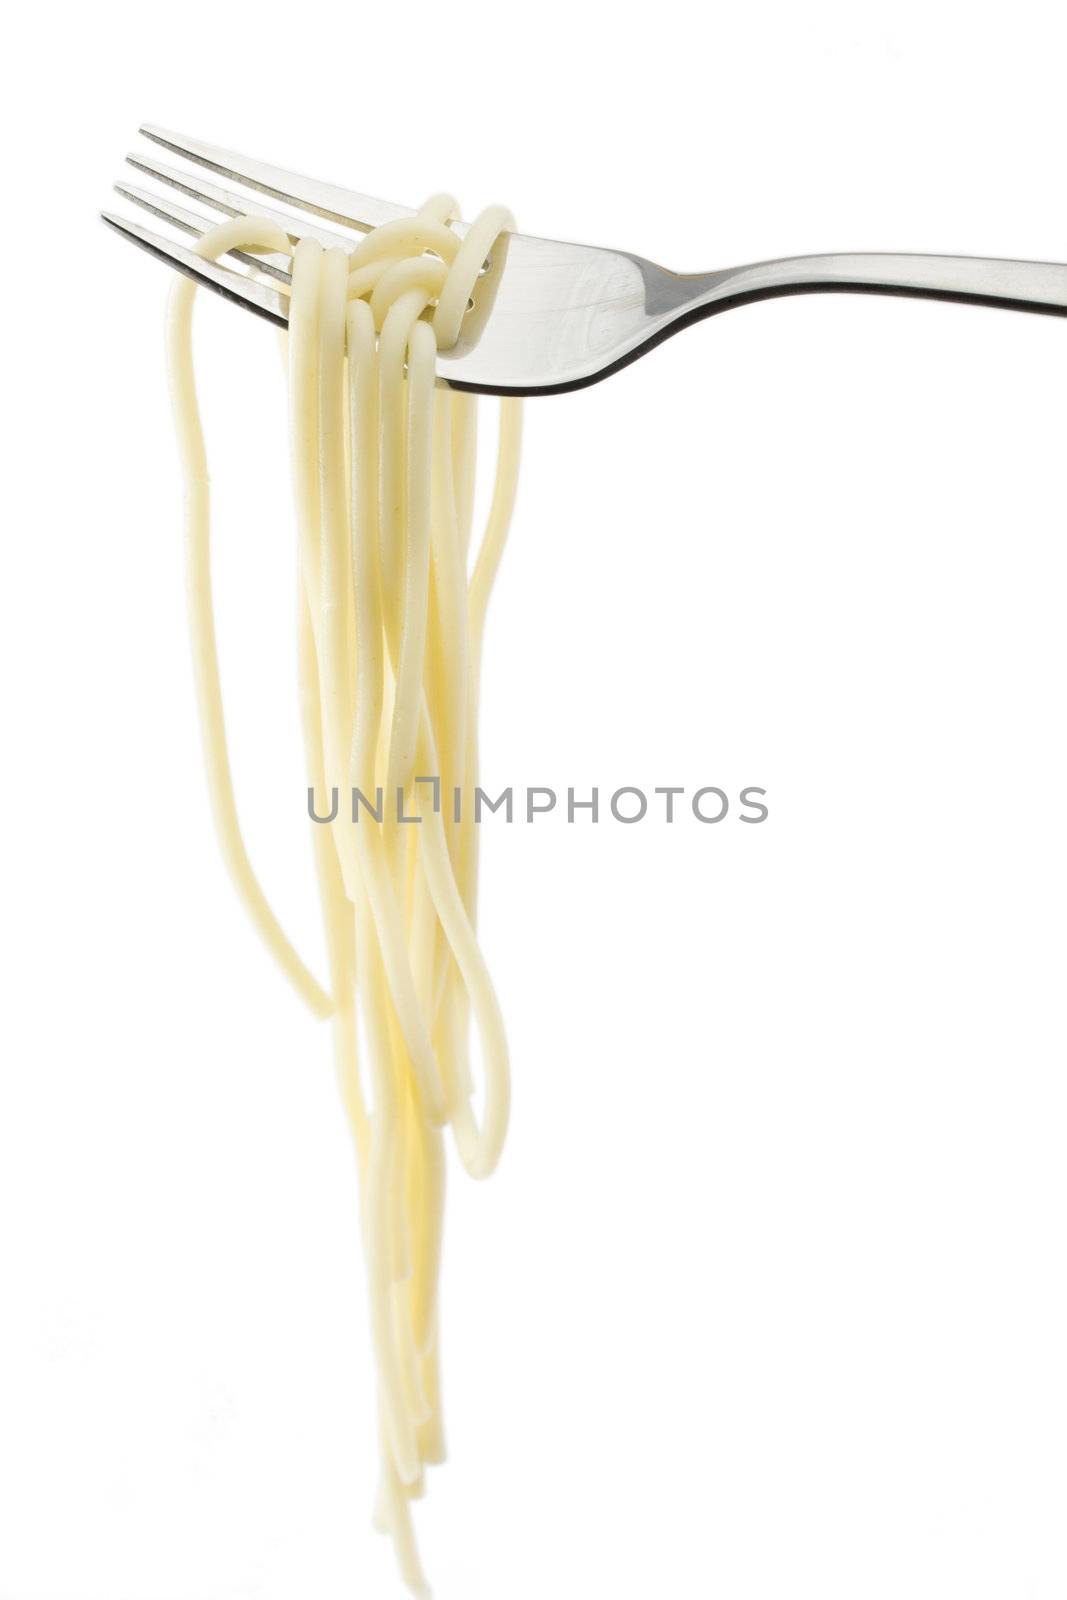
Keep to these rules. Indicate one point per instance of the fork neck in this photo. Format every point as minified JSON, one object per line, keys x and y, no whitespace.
{"x":1036,"y":286}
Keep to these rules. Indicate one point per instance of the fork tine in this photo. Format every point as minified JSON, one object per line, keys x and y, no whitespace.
{"x":245,"y":291}
{"x":192,"y":222}
{"x":233,"y":205}
{"x":323,"y":199}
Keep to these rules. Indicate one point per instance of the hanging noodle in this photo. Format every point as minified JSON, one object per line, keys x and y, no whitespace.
{"x":391,"y":618}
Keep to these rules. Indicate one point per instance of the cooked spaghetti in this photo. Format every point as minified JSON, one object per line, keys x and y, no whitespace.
{"x":392,"y":615}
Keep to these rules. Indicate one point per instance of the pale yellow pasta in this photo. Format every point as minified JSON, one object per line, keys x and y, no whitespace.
{"x":391,"y":618}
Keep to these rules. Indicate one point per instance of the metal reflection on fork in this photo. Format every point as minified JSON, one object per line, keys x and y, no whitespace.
{"x":548,"y":316}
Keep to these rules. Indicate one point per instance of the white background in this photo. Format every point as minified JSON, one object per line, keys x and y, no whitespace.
{"x":768,"y":1296}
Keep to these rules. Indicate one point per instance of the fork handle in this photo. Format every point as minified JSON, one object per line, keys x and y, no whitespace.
{"x":1016,"y":285}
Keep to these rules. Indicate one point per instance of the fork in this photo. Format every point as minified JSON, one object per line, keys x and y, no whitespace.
{"x":546,"y":316}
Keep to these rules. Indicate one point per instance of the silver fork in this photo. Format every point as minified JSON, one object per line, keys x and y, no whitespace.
{"x":546,"y":316}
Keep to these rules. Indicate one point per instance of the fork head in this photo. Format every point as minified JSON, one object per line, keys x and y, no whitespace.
{"x":546,"y":316}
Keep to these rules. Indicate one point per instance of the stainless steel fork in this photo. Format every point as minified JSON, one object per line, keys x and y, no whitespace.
{"x":547,"y":316}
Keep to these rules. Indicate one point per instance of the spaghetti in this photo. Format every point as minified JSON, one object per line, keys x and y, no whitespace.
{"x":392,"y":614}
